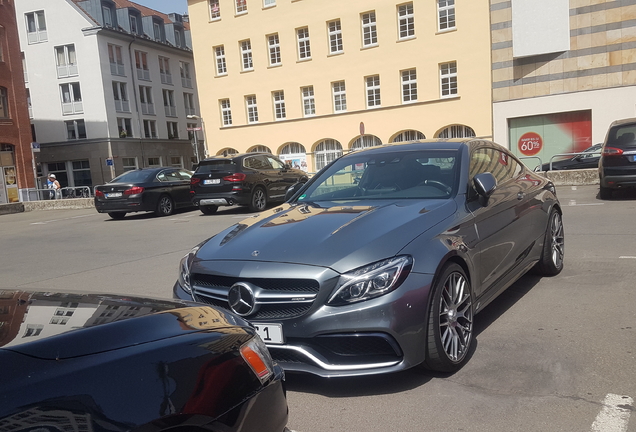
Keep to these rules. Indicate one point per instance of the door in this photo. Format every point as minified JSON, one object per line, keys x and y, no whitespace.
{"x":286,"y":177}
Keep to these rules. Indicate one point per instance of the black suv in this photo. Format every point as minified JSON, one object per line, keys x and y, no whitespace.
{"x":247,"y":179}
{"x":617,"y":167}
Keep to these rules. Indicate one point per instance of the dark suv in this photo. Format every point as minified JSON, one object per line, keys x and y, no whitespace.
{"x":247,"y":179}
{"x":617,"y":167}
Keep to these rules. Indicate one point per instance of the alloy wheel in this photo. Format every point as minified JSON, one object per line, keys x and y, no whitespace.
{"x":456,"y":317}
{"x":165,"y":205}
{"x":259,"y":199}
{"x":557,"y":240}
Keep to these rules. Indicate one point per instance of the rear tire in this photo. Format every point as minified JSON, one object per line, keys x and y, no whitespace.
{"x":208,"y":209}
{"x":259,"y":200}
{"x":605,"y":193}
{"x":450,"y":321}
{"x":117,"y":215}
{"x":165,"y":206}
{"x":551,"y":262}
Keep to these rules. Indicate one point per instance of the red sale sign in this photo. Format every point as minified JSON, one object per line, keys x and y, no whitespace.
{"x":530,"y":143}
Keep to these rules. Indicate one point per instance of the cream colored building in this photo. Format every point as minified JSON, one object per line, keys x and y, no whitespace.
{"x":309,"y":80}
{"x":563,"y":70}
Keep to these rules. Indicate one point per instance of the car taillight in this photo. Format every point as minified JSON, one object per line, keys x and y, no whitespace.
{"x":612,"y":151}
{"x":134,"y":190}
{"x":238,"y":177}
{"x":99,"y":194}
{"x":194,"y":180}
{"x":255,"y":354}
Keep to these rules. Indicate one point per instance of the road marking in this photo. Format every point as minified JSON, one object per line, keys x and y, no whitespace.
{"x":627,"y":257}
{"x":614,"y":415}
{"x":573,"y":203}
{"x":59,"y":220}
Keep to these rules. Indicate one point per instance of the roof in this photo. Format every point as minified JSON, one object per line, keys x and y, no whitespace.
{"x":145,"y":11}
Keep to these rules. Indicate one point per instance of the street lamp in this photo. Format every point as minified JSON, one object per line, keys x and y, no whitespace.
{"x":196,"y":141}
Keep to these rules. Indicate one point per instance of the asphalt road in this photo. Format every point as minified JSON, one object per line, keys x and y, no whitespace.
{"x":552,"y":354}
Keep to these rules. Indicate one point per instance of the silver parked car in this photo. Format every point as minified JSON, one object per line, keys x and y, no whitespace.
{"x":382,"y":260}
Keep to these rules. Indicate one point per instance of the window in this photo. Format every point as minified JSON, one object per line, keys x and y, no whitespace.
{"x":108,"y":17}
{"x":304,"y":50}
{"x":373,"y":91}
{"x":309,"y":104}
{"x":121,"y":97}
{"x":81,"y":177}
{"x":269,"y":3}
{"x":4,"y":103}
{"x":66,"y":61}
{"x":129,"y":163}
{"x":71,"y":98}
{"x":215,"y":10}
{"x":221,"y":66}
{"x":409,"y":135}
{"x":445,"y":15}
{"x":369,"y":30}
{"x":24,"y":68}
{"x":1,"y":49}
{"x":260,"y":149}
{"x":326,"y":152}
{"x":339,"y":96}
{"x":457,"y":131}
{"x":448,"y":79}
{"x":366,"y":141}
{"x":335,"y":37}
{"x":150,"y":129}
{"x":241,"y":6}
{"x":188,"y":101}
{"x":36,"y":27}
{"x":145,"y":97}
{"x":173,"y":131}
{"x":409,"y":86}
{"x":29,"y":106}
{"x":226,"y":112}
{"x":154,"y":162}
{"x":246,"y":54}
{"x":498,"y":163}
{"x":116,"y":60}
{"x":168,"y":103}
{"x":279,"y":105}
{"x":177,"y":38}
{"x":164,"y":70}
{"x":406,"y":21}
{"x":33,"y":330}
{"x":124,"y":128}
{"x":157,"y":31}
{"x":75,"y":129}
{"x":186,"y":78}
{"x":252,"y":110}
{"x":176,"y":161}
{"x":133,"y":24}
{"x":141,"y":61}
{"x":274,"y":50}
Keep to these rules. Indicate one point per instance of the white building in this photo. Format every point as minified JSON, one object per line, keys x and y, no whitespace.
{"x":110,"y":84}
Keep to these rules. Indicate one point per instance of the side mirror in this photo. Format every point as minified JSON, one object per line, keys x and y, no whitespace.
{"x":485,"y":184}
{"x":292,"y":190}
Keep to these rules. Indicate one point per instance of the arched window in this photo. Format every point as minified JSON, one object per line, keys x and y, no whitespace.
{"x":4,"y":103}
{"x":293,"y":148}
{"x":327,"y":151}
{"x":260,"y":148}
{"x":294,"y":154}
{"x":409,"y":135}
{"x":456,"y":131}
{"x":227,"y":151}
{"x":366,"y":141}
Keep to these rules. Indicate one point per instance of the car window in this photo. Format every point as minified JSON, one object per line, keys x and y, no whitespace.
{"x":209,"y":166}
{"x":168,"y":176}
{"x":136,"y":176}
{"x":259,"y":162}
{"x":184,"y":174}
{"x":407,"y":174}
{"x":622,"y":136}
{"x":498,"y":163}
{"x":275,"y":163}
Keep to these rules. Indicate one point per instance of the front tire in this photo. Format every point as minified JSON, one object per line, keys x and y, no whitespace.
{"x":208,"y":209}
{"x":117,"y":215}
{"x":165,"y":206}
{"x":450,"y":322}
{"x":259,"y":200}
{"x":551,"y":262}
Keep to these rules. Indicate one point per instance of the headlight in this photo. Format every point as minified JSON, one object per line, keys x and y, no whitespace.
{"x":371,"y":281}
{"x":184,"y":270}
{"x":256,"y":355}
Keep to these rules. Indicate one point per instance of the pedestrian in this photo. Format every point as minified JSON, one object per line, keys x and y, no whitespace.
{"x":54,"y":185}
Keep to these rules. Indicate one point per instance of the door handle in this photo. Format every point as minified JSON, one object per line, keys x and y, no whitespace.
{"x":521,"y":196}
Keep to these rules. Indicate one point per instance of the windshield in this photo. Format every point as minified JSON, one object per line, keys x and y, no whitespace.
{"x":421,"y":174}
{"x":216,"y":165}
{"x":136,"y":176}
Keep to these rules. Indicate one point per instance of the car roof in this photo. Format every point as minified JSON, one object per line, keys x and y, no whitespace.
{"x":235,"y":156}
{"x":623,"y":121}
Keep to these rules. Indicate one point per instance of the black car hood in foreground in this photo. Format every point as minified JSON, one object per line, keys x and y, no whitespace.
{"x":341,"y":237}
{"x":95,"y":323}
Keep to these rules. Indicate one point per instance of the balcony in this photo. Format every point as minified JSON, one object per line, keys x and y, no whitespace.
{"x":186,"y":82}
{"x":117,"y":69}
{"x":166,"y":78}
{"x":148,"y":108}
{"x":122,"y":106}
{"x":69,"y":70}
{"x":72,"y":108}
{"x":143,"y":74}
{"x":170,"y":111}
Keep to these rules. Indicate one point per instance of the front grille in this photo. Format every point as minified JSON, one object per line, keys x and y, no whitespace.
{"x":356,"y":345}
{"x":284,"y":285}
{"x":286,"y":356}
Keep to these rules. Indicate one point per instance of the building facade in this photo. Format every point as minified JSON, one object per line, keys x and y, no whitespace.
{"x":16,"y":161}
{"x":562,"y":71}
{"x":311,"y":80}
{"x":111,"y":86}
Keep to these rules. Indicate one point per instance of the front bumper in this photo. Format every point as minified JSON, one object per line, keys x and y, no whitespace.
{"x":381,"y":335}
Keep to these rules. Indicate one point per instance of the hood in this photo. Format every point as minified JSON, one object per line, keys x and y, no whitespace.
{"x":338,"y":237}
{"x":65,"y":325}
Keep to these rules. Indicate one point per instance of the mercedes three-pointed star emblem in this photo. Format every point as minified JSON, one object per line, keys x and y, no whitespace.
{"x":241,"y":299}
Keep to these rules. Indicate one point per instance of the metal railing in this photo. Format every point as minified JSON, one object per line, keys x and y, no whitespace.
{"x":63,"y":193}
{"x":533,"y":157}
{"x":572,"y":154}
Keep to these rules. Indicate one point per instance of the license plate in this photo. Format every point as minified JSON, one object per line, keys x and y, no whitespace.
{"x":270,"y":333}
{"x":113,"y":195}
{"x":212,"y":181}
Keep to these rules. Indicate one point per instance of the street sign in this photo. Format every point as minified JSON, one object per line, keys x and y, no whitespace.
{"x":109,"y":161}
{"x":194,"y":129}
{"x":35,"y":146}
